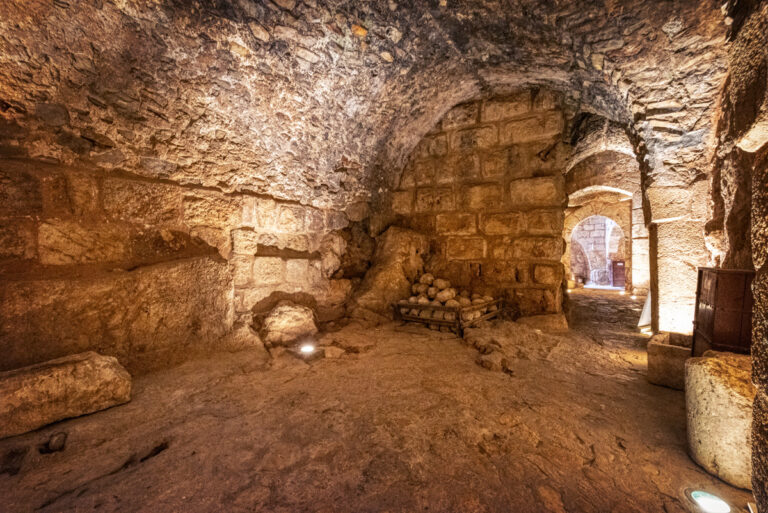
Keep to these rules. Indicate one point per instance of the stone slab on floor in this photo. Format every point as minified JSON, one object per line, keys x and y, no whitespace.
{"x":719,"y":397}
{"x":74,"y":385}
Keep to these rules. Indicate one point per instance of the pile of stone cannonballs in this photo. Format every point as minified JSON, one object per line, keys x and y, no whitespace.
{"x":428,"y":290}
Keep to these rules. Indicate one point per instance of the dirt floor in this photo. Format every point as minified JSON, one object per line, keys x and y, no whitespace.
{"x":405,"y":420}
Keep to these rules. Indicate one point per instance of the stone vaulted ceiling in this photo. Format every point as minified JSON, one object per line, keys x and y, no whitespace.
{"x":322,"y":101}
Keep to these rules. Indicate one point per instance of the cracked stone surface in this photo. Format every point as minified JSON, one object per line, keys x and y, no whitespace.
{"x":409,"y":423}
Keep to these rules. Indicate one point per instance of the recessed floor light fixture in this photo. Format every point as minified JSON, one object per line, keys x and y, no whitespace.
{"x":307,"y":348}
{"x":707,"y":502}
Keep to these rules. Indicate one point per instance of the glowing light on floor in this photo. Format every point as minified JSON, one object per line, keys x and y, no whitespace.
{"x":307,"y":348}
{"x":622,"y":293}
{"x":633,"y":296}
{"x":709,"y":503}
{"x":568,"y":291}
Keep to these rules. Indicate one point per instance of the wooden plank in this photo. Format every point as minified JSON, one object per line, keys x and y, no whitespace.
{"x":436,"y":308}
{"x":457,"y":324}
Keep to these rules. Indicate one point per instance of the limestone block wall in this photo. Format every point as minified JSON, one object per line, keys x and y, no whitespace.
{"x":148,"y":270}
{"x":486,"y":185}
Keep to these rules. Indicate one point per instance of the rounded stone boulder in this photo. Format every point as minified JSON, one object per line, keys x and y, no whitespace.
{"x":441,"y":284}
{"x":426,"y":279}
{"x":718,"y":400}
{"x":446,"y":295}
{"x":288,"y":322}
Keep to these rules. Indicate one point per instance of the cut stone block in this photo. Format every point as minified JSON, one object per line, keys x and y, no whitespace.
{"x":74,"y":385}
{"x":718,"y":399}
{"x":666,"y":362}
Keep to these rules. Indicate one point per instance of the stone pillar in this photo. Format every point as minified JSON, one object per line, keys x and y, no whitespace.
{"x":641,"y":270}
{"x":676,"y":251}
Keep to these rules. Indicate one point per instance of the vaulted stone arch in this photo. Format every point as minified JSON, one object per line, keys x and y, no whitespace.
{"x":295,"y":119}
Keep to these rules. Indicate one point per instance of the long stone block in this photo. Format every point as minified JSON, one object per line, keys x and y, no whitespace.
{"x":74,"y":385}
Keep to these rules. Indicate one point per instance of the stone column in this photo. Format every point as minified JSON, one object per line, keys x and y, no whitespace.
{"x":641,"y":270}
{"x":676,"y":251}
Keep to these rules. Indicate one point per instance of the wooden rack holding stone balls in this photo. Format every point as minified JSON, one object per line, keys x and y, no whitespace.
{"x":437,"y":305}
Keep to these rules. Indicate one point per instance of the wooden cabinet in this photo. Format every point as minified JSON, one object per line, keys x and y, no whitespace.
{"x":723,"y":318}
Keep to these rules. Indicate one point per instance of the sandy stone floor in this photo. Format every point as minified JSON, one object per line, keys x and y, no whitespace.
{"x":405,"y":421}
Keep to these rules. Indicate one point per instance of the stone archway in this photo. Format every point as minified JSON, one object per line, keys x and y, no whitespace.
{"x":615,"y":205}
{"x":597,"y":243}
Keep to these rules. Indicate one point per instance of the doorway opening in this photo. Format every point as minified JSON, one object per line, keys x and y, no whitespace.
{"x":599,"y":254}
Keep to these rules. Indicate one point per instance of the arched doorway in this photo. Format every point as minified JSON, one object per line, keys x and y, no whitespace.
{"x":599,"y":253}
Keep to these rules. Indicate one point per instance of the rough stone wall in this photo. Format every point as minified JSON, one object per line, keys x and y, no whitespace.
{"x":741,"y":170}
{"x":486,"y":185}
{"x":106,"y":263}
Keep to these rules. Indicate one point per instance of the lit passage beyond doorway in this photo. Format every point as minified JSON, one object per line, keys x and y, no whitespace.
{"x":598,"y":253}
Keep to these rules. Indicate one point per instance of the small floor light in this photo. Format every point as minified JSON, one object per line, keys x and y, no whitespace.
{"x":633,"y":296}
{"x":622,"y":293}
{"x":307,"y":348}
{"x":709,"y":503}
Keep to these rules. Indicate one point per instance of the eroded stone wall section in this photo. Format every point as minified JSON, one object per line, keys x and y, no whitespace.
{"x":149,"y":270}
{"x":741,"y":171}
{"x":486,"y":185}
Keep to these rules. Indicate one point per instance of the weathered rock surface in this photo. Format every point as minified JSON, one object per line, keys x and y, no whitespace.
{"x":396,"y":263}
{"x":66,"y":387}
{"x":666,"y":362}
{"x":719,"y":396}
{"x":148,"y":317}
{"x":288,"y":322}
